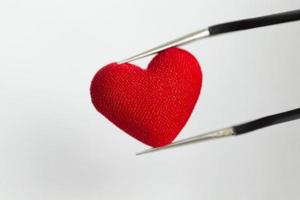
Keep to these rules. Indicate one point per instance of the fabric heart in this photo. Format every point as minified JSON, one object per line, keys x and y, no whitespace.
{"x":151,"y":105}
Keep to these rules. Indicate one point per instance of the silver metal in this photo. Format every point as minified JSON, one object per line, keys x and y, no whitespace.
{"x":198,"y":138}
{"x":180,"y":41}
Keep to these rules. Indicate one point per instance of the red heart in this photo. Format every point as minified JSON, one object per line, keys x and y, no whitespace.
{"x":151,"y":105}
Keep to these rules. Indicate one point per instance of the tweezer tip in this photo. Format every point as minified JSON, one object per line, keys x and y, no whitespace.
{"x":139,"y":153}
{"x":124,"y":61}
{"x":177,"y":42}
{"x":203,"y":137}
{"x":146,"y":151}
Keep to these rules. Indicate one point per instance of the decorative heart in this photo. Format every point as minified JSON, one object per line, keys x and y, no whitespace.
{"x":151,"y":105}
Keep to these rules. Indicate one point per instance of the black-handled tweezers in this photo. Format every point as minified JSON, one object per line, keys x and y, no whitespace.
{"x":235,"y":130}
{"x":228,"y":27}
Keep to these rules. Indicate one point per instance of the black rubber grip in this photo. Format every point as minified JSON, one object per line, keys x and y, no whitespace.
{"x":255,"y":22}
{"x":267,"y":121}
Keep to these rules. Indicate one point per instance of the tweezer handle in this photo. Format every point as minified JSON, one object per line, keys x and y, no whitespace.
{"x":267,"y":121}
{"x":255,"y":22}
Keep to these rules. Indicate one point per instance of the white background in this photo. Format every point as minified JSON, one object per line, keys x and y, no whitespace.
{"x":54,"y":145}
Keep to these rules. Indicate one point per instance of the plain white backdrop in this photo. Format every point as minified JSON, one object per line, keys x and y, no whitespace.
{"x":54,"y":145}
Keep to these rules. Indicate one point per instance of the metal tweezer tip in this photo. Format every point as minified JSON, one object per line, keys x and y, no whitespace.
{"x":182,"y":40}
{"x":198,"y":138}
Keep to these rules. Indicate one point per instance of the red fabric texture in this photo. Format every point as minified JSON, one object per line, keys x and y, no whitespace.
{"x":151,"y":105}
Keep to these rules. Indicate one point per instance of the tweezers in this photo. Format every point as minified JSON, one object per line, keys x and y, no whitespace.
{"x":234,"y":130}
{"x":218,"y":29}
{"x":222,"y":28}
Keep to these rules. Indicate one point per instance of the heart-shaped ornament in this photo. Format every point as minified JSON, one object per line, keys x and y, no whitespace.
{"x":151,"y":105}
